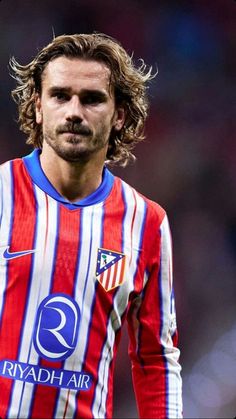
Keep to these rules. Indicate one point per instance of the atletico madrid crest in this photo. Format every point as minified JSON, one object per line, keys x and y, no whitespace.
{"x":110,"y":268}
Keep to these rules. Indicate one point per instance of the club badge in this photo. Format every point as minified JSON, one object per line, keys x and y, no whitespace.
{"x":110,"y":271}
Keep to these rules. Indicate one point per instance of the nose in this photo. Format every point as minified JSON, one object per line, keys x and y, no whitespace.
{"x":74,"y":110}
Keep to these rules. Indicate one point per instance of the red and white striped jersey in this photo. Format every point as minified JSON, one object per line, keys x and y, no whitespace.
{"x":70,"y":275}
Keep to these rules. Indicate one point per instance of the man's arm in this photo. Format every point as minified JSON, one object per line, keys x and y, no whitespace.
{"x":1,"y":200}
{"x":153,"y":338}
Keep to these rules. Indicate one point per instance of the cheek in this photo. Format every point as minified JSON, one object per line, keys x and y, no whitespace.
{"x":48,"y":118}
{"x":104,"y":126}
{"x":106,"y":120}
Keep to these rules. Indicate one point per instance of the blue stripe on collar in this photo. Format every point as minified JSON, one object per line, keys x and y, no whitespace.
{"x":33,"y":166}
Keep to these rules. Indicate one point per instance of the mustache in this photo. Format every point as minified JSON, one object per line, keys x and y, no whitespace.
{"x":74,"y":128}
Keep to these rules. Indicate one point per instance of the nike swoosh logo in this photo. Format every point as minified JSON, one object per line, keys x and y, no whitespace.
{"x":13,"y":255}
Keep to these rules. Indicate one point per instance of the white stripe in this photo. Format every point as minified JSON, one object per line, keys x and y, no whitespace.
{"x":166,"y":277}
{"x":40,"y":287}
{"x":171,"y":353}
{"x":99,"y":406}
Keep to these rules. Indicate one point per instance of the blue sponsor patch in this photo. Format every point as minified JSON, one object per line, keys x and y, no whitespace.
{"x":56,"y":327}
{"x":36,"y":374}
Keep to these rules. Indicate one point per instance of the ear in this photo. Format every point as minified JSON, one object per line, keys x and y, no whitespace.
{"x":119,"y":119}
{"x":38,"y":109}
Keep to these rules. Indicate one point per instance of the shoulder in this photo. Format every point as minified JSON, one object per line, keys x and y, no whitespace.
{"x":8,"y":163}
{"x":155,"y":213}
{"x":5,"y":167}
{"x":8,"y":167}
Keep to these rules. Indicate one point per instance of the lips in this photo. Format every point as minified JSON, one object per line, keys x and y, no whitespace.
{"x":76,"y":132}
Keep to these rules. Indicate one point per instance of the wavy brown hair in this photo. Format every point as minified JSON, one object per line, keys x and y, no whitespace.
{"x":128,"y":81}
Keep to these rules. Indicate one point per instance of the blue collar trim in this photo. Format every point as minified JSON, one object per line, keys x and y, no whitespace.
{"x":33,"y":166}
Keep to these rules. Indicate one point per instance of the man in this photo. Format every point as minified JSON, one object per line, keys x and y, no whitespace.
{"x":82,"y":251}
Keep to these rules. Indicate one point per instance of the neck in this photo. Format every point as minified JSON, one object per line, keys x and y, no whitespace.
{"x":74,"y":181}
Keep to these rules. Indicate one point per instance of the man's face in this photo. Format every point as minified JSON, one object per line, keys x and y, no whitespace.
{"x":77,"y":108}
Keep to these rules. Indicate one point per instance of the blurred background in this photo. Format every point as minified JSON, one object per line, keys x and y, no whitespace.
{"x":187,"y":163}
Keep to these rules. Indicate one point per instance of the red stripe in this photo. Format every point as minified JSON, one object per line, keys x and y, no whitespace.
{"x":18,"y":281}
{"x":108,"y":279}
{"x":152,"y":371}
{"x":109,"y":402}
{"x":63,"y":282}
{"x":112,"y":239}
{"x":115,"y":274}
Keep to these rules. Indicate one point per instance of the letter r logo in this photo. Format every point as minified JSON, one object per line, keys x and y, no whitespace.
{"x":57,"y":326}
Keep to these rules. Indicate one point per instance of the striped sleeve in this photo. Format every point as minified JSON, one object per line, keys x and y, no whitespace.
{"x":1,"y":199}
{"x":153,"y":336}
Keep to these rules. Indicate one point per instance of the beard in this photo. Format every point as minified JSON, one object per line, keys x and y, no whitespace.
{"x":75,"y":143}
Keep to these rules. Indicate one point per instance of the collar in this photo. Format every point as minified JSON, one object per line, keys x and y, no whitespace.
{"x":33,"y":167}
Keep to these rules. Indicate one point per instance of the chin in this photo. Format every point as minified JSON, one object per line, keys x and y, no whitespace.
{"x":74,"y":155}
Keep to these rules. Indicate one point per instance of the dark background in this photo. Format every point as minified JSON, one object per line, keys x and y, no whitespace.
{"x":187,"y":163}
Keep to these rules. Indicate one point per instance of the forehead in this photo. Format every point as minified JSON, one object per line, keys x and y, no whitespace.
{"x":77,"y":72}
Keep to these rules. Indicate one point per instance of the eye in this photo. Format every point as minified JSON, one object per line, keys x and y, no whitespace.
{"x":90,"y":100}
{"x":61,"y":96}
{"x":93,"y":99}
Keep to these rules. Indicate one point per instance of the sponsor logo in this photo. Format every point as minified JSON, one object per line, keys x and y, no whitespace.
{"x":55,"y":338}
{"x":7,"y":255}
{"x":110,"y":268}
{"x":47,"y":376}
{"x":56,"y":328}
